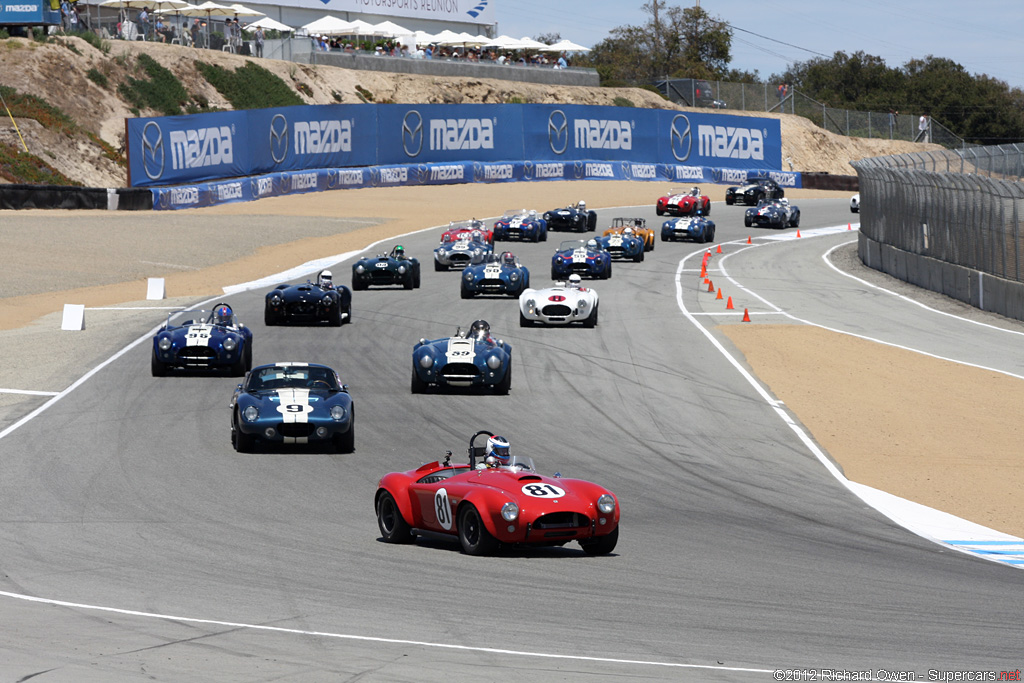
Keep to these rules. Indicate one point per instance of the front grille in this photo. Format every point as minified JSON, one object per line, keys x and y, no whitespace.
{"x":580,"y":268}
{"x":196,"y":353}
{"x":562,"y":520}
{"x":459,"y":371}
{"x":617,"y":252}
{"x":295,"y":429}
{"x":459,"y":259}
{"x":302,"y":308}
{"x":383,"y":277}
{"x":556,"y":310}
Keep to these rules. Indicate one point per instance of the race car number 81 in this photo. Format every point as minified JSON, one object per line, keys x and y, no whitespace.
{"x":543,"y":491}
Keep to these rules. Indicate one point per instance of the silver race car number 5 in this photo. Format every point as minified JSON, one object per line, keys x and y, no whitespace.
{"x":443,"y":509}
{"x":543,"y":491}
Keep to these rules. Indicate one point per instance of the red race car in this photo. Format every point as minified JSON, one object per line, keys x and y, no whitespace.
{"x":464,"y":229}
{"x":497,"y":498}
{"x":676,"y":203}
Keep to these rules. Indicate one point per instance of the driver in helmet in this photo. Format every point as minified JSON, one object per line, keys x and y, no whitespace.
{"x":477,"y":236}
{"x":592,"y":244}
{"x":581,"y":206}
{"x":480,"y":330}
{"x":398,"y":252}
{"x":325,"y":280}
{"x":497,"y":454}
{"x":695,"y":191}
{"x":575,"y":281}
{"x":509,"y":259}
{"x":223,"y":315}
{"x":628,"y":232}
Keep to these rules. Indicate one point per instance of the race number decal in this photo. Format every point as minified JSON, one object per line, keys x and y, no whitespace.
{"x":443,"y":509}
{"x":198,"y":335}
{"x":294,"y":405}
{"x":543,"y":491}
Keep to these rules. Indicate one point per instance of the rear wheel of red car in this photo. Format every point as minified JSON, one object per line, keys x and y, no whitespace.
{"x":602,"y":545}
{"x":473,"y":535}
{"x":393,"y":526}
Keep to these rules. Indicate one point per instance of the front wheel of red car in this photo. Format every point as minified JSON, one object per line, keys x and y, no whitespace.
{"x":473,"y":535}
{"x":393,"y":526}
{"x":602,"y":545}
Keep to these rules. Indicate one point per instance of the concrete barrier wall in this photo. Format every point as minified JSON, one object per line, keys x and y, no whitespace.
{"x":439,"y":67}
{"x":981,"y":290}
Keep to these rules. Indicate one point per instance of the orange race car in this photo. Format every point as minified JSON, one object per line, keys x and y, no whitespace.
{"x":639,"y":226}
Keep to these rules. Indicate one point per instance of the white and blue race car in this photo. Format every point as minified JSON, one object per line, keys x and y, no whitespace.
{"x":564,"y":303}
{"x":521,"y":224}
{"x":213,"y":340}
{"x":499,"y":274}
{"x":466,"y":360}
{"x":459,"y":253}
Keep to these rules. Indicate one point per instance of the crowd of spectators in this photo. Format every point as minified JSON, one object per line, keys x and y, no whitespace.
{"x":391,"y":48}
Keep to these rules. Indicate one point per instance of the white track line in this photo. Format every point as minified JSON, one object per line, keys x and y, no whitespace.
{"x":939,"y":527}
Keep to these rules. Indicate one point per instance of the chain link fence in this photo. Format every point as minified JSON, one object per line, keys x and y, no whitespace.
{"x":850,"y":122}
{"x":960,"y":207}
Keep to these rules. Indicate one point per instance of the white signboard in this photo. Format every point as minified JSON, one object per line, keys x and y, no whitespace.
{"x":463,"y":11}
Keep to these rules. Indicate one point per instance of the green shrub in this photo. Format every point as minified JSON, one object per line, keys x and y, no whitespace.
{"x":19,"y":166}
{"x":96,"y":77}
{"x":250,"y":86}
{"x":623,"y":102}
{"x":32,"y":107}
{"x":162,"y":91}
{"x":364,"y":94}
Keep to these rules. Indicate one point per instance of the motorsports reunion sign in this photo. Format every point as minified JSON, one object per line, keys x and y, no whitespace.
{"x":255,"y":153}
{"x":472,"y":11}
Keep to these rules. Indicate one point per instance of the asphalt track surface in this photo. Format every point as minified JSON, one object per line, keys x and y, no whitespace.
{"x":137,"y":545}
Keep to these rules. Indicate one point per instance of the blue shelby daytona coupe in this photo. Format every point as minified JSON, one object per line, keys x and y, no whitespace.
{"x":697,"y":228}
{"x":583,"y":257}
{"x":214,"y":341}
{"x":465,"y":360}
{"x":521,"y":224}
{"x":499,"y":274}
{"x":292,"y":403}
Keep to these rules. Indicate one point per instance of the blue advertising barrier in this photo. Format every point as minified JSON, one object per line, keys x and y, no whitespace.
{"x":296,"y":182}
{"x":200,"y":147}
{"x":28,"y":13}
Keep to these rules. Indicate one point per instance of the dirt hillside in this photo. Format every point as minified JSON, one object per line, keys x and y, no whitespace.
{"x":59,"y":72}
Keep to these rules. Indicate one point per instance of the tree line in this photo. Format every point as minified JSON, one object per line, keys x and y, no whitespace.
{"x":687,"y":42}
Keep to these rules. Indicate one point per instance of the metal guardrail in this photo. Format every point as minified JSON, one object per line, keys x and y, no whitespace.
{"x":963,"y":207}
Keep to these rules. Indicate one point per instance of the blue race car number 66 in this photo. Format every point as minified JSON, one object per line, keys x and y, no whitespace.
{"x":543,"y":491}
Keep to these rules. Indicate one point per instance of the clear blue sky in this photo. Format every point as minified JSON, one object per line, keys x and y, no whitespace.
{"x":984,"y":36}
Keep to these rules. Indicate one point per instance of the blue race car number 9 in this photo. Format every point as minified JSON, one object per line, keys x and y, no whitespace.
{"x":543,"y":491}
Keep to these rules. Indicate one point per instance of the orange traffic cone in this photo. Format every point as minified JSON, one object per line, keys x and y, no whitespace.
{"x":719,"y":250}
{"x":711,"y":286}
{"x":798,"y":233}
{"x":728,"y":304}
{"x":748,"y":240}
{"x":849,"y":226}
{"x":746,"y":316}
{"x":719,"y":293}
{"x":703,"y":271}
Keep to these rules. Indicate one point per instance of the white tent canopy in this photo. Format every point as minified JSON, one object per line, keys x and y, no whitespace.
{"x":390,"y":28}
{"x":268,"y":24}
{"x":565,"y":46}
{"x":503,"y":42}
{"x":243,"y":11}
{"x":328,"y":26}
{"x":361,"y":28}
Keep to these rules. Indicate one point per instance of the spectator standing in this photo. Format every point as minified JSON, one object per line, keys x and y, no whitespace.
{"x":428,"y":53}
{"x":236,"y":36}
{"x":65,"y":14}
{"x":892,"y":122}
{"x":562,"y":64}
{"x":257,"y":39}
{"x":73,"y":19}
{"x":924,"y":127}
{"x":160,"y":29}
{"x":783,"y":91}
{"x":143,"y":20}
{"x":194,"y":31}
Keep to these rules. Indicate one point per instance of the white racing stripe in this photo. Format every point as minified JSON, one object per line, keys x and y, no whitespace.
{"x":460,"y":350}
{"x":198,"y":335}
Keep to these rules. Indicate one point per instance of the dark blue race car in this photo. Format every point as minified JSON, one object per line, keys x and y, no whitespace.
{"x":459,"y":253}
{"x":623,"y":245}
{"x":394,"y":268}
{"x":521,"y":224}
{"x":210,"y":341}
{"x":499,"y":274}
{"x":585,"y":258}
{"x":311,"y":302}
{"x":575,"y":218}
{"x":698,"y":228}
{"x":471,"y":360}
{"x":773,"y":213}
{"x":292,"y":403}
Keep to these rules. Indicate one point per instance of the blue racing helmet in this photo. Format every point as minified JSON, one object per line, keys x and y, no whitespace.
{"x":499,"y":448}
{"x":223,"y":315}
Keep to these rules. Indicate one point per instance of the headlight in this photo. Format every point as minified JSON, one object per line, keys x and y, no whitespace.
{"x":338,"y":413}
{"x":276,"y":300}
{"x":326,"y":301}
{"x":582,"y":303}
{"x":469,"y":277}
{"x":510,"y":512}
{"x":493,"y":362}
{"x":360,"y":269}
{"x":606,"y":504}
{"x":477,"y":252}
{"x":230,"y":344}
{"x":426,"y":361}
{"x":513,"y":277}
{"x":401,"y":270}
{"x":250,"y":413}
{"x":164,"y":343}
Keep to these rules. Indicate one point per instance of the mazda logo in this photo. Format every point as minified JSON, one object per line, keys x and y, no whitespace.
{"x":374,"y":176}
{"x":478,"y":172}
{"x":422,"y":174}
{"x":680,"y":137}
{"x":577,"y":170}
{"x":627,"y":170}
{"x":558,"y":131}
{"x":332,"y":178}
{"x":153,"y":150}
{"x":412,"y":133}
{"x":527,"y":170}
{"x":716,"y":175}
{"x":278,"y":138}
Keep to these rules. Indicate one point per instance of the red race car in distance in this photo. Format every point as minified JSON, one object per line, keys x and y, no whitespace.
{"x":495,"y":500}
{"x":677,"y":203}
{"x":464,"y":229}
